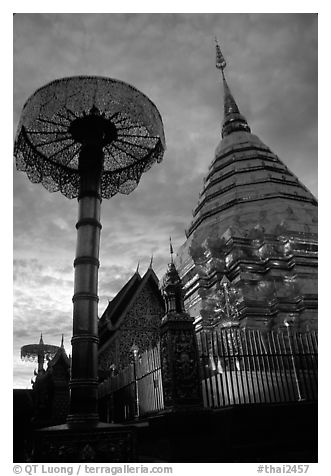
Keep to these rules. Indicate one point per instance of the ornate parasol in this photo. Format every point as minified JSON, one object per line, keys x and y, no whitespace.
{"x":38,"y":352}
{"x":66,"y":115}
{"x":88,"y":137}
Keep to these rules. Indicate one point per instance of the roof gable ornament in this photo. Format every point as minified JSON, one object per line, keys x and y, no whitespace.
{"x":137,"y":270}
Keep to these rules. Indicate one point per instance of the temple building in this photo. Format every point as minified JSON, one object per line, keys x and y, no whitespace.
{"x":250,"y":255}
{"x":132,"y":317}
{"x":49,"y":397}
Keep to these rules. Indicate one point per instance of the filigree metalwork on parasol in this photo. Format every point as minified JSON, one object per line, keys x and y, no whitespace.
{"x":68,"y":115}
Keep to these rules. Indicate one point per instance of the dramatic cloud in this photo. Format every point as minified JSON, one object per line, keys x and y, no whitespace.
{"x":272,"y":72}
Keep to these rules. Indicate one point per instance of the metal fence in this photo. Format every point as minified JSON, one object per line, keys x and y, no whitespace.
{"x":248,"y":366}
{"x":236,"y":367}
{"x":135,"y":391}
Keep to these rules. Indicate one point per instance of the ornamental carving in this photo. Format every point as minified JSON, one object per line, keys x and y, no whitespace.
{"x":179,"y":360}
{"x":140,"y":326}
{"x":221,"y":304}
{"x":95,"y":446}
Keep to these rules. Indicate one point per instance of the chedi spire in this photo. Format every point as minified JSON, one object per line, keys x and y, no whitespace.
{"x":233,"y":120}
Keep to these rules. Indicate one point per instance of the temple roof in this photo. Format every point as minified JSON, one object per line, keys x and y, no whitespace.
{"x":119,"y":302}
{"x":120,"y":305}
{"x":60,"y":355}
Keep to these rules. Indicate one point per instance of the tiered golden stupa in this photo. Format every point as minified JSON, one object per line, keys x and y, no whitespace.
{"x":250,"y":257}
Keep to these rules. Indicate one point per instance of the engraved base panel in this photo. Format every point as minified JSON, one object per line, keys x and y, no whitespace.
{"x":181,"y":385}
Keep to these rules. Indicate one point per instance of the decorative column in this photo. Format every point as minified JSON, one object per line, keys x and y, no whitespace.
{"x":88,"y":137}
{"x":179,"y":352}
{"x":84,"y":373}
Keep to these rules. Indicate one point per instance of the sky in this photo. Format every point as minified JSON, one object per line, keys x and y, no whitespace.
{"x":272,"y":72}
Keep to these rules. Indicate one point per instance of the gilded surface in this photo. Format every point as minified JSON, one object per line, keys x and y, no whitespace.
{"x":256,"y":224}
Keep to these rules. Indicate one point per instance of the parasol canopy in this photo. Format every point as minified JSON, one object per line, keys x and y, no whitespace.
{"x":31,"y":352}
{"x":68,"y":114}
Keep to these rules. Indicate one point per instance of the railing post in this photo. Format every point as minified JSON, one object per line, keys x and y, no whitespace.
{"x":297,"y":384}
{"x":111,"y":405}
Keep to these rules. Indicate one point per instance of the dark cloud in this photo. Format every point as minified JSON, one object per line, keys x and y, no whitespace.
{"x":272,"y":72}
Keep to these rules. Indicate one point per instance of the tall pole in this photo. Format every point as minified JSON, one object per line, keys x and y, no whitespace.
{"x":41,"y":354}
{"x":84,"y":372}
{"x":41,"y":361}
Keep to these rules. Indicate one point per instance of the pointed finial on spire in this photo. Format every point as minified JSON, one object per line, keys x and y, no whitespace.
{"x":233,"y":121}
{"x":171,"y":250}
{"x":41,"y":339}
{"x":137,"y":270}
{"x":220,"y":61}
{"x":62,"y":342}
{"x":151,"y":262}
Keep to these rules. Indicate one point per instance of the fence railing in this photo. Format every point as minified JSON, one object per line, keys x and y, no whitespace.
{"x":135,"y":391}
{"x":236,"y":367}
{"x":248,"y":366}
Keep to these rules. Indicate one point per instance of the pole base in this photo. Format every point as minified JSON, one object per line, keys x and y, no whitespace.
{"x":100,"y":443}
